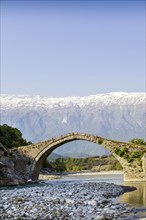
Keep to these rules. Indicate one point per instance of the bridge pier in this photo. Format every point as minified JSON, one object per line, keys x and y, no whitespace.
{"x":133,"y":176}
{"x":136,"y":174}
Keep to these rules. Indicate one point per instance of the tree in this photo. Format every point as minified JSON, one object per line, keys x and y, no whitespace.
{"x":11,"y":137}
{"x":138,"y":141}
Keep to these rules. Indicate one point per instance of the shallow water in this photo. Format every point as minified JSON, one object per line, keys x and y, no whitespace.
{"x":136,"y":199}
{"x":112,"y":178}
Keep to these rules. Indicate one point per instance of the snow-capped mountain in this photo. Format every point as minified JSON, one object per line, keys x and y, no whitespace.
{"x":120,"y":116}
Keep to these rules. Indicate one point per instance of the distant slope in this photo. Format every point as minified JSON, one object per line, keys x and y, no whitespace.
{"x":54,"y":156}
{"x":120,"y":116}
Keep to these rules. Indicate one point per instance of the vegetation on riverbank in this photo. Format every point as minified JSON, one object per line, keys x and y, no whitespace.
{"x":103,"y":163}
{"x":11,"y":137}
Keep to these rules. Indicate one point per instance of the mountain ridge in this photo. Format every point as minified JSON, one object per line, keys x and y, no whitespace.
{"x":107,"y":97}
{"x":116,"y":115}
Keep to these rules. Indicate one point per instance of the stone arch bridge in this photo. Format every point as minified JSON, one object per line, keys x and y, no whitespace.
{"x":29,"y":159}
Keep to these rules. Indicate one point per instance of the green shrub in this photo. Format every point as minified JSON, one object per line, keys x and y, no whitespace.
{"x":118,"y":166}
{"x":121,"y":151}
{"x":138,"y":141}
{"x":100,"y":141}
{"x":78,"y":164}
{"x":11,"y":137}
{"x":137,"y":154}
{"x":130,"y":157}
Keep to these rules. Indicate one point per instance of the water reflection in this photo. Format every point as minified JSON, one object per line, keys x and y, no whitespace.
{"x":135,"y":198}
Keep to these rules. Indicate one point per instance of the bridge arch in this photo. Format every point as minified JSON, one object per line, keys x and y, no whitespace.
{"x":47,"y":147}
{"x":33,"y":156}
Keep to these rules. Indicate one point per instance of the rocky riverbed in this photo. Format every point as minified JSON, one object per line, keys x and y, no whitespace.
{"x":64,"y":201}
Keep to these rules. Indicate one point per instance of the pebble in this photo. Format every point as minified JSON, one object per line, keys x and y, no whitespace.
{"x":86,"y":201}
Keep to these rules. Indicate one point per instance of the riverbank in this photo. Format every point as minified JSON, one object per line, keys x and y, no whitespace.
{"x":64,"y":201}
{"x":111,"y":172}
{"x":52,"y":176}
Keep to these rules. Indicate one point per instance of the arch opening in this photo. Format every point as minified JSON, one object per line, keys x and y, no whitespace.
{"x":42,"y":156}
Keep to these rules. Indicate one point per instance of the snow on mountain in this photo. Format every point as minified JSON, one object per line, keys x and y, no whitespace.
{"x":117,"y":115}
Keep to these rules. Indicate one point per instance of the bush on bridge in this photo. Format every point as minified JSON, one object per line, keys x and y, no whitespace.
{"x":138,"y":141}
{"x":130,"y":157}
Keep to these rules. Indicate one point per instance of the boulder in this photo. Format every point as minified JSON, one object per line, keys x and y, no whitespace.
{"x":8,"y":175}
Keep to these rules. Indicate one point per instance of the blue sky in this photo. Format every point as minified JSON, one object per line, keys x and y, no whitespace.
{"x":72,"y":48}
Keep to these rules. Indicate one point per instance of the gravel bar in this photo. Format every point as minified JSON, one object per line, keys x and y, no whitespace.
{"x":76,"y":201}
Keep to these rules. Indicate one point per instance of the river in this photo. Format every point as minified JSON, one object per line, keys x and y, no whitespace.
{"x":136,"y":199}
